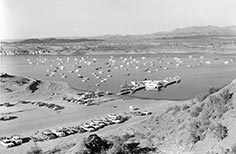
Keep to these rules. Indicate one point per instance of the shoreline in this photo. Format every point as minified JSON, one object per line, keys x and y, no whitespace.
{"x":119,"y":53}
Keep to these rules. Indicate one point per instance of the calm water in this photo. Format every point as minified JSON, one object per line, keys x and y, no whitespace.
{"x":195,"y":80}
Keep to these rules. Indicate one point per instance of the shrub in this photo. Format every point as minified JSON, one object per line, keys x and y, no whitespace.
{"x":176,"y":109}
{"x":194,"y":138}
{"x":126,"y":136}
{"x":234,"y":148}
{"x":202,"y":97}
{"x":35,"y":150}
{"x":217,"y":106}
{"x":226,"y":95}
{"x":55,"y":150}
{"x":118,"y":147}
{"x":220,"y":131}
{"x":185,"y":107}
{"x":197,"y":132}
{"x":205,"y":121}
{"x":196,"y":111}
{"x":194,"y":114}
{"x":213,"y":90}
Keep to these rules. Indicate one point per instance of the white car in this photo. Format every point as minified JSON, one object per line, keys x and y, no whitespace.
{"x":116,"y":121}
{"x":58,"y":133}
{"x":147,"y":113}
{"x":16,"y":139}
{"x":88,"y":129}
{"x":7,"y":143}
{"x":112,"y":115}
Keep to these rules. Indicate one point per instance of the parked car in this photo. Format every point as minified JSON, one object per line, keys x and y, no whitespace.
{"x":81,"y":130}
{"x":58,"y":133}
{"x":49,"y":134}
{"x":5,"y":118}
{"x":39,"y":137}
{"x":7,"y":143}
{"x":16,"y":139}
{"x":147,"y":113}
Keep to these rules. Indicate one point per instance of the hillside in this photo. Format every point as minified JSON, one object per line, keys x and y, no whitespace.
{"x":55,"y":40}
{"x":27,"y":87}
{"x":206,"y":31}
{"x":206,"y":125}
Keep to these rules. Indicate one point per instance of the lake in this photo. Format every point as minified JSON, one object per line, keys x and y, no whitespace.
{"x":198,"y":72}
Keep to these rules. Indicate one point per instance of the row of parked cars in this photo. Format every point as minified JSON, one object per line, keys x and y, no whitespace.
{"x":11,"y":141}
{"x":141,"y":113}
{"x":90,"y":126}
{"x":44,"y":104}
{"x":7,"y":117}
{"x":85,"y":98}
{"x":93,"y":125}
{"x":78,"y":100}
{"x":7,"y":104}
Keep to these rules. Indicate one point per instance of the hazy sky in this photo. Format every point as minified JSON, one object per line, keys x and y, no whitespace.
{"x":49,"y":18}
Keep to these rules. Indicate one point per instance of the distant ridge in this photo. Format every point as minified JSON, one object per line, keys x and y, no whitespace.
{"x":55,"y":40}
{"x":206,"y":30}
{"x":187,"y":32}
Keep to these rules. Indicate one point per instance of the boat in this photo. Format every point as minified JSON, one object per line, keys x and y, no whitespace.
{"x":64,"y":76}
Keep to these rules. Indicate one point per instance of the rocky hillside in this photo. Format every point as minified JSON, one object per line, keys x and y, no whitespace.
{"x":205,"y":125}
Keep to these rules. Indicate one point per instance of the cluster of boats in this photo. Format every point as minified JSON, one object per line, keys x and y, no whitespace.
{"x":149,"y":85}
{"x":67,"y":66}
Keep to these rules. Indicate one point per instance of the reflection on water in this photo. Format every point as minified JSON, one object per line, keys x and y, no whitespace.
{"x":108,"y":72}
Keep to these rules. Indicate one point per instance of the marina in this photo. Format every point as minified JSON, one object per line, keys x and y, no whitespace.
{"x":107,"y":73}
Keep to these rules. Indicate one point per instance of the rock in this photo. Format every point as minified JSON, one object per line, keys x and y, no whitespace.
{"x":95,"y":144}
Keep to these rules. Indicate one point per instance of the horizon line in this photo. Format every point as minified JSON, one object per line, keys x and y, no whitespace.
{"x":109,"y":34}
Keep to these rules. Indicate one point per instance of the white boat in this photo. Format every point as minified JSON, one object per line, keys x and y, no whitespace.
{"x":64,"y":76}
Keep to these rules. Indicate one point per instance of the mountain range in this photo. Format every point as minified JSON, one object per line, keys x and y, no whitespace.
{"x":193,"y":31}
{"x":206,"y":30}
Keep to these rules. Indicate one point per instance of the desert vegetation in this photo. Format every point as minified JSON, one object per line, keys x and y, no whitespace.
{"x":188,"y":124}
{"x":35,"y":150}
{"x":206,"y":115}
{"x":123,"y":144}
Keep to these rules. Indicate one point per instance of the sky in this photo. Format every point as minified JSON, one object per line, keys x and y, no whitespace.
{"x":62,"y":18}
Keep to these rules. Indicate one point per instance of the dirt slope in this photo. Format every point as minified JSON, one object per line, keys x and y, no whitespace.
{"x":206,"y":125}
